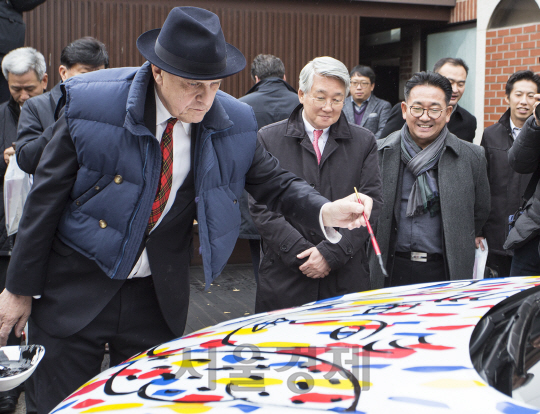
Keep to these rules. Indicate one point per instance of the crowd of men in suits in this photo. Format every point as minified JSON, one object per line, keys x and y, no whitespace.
{"x":118,"y":181}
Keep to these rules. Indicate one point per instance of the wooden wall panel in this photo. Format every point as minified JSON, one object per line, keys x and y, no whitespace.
{"x":295,"y":34}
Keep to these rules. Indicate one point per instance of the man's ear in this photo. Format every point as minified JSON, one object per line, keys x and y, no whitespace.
{"x":404,"y":110}
{"x":301,"y":96}
{"x":44,"y":81}
{"x":62,"y":70}
{"x":507,"y":100}
{"x":156,"y":72}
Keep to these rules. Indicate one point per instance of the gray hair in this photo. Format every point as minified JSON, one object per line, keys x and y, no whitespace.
{"x":23,"y":59}
{"x":324,"y":66}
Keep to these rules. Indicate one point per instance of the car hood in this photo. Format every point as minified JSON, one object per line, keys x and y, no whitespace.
{"x":403,"y":349}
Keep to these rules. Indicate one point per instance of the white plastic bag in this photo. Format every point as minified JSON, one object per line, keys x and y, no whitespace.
{"x":480,"y":259}
{"x":17,"y":184}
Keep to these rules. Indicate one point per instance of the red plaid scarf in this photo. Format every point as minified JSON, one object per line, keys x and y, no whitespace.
{"x":165,"y":179}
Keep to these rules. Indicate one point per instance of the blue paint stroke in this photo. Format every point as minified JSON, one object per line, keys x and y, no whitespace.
{"x":413,"y":334}
{"x":161,"y":381}
{"x":435,"y":368}
{"x":168,"y":393}
{"x":511,"y":408}
{"x":406,"y":323}
{"x":374,"y":366}
{"x":419,"y":401}
{"x":246,"y":408}
{"x":233,"y":359}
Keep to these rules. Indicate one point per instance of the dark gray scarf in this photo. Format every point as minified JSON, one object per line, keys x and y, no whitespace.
{"x":425,"y":192}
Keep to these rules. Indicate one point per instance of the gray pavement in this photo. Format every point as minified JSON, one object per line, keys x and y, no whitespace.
{"x":231,"y":296}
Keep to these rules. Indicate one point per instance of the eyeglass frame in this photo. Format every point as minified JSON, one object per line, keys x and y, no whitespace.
{"x":424,"y":110}
{"x":342,"y":103}
{"x":363,"y":84}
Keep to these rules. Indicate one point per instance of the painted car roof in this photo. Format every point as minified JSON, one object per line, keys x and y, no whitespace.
{"x":403,"y":349}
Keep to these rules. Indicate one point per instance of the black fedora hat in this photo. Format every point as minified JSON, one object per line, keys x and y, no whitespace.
{"x":191,"y":45}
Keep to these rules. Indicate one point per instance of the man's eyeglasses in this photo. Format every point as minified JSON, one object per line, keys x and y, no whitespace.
{"x":418,"y":111}
{"x":321,"y":102}
{"x":363,"y":84}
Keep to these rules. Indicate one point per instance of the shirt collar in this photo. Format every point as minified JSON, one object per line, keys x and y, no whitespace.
{"x":309,"y":128}
{"x":515,"y":130}
{"x":363,"y":103}
{"x":162,"y":115}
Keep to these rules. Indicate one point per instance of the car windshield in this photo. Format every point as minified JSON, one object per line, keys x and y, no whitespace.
{"x":505,"y":347}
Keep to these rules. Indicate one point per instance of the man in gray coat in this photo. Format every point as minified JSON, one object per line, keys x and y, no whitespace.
{"x":435,"y":191}
{"x":363,"y":107}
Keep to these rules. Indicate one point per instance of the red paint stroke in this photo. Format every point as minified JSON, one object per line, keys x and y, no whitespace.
{"x":320,"y":398}
{"x":435,"y":315}
{"x":215,"y":343}
{"x":195,"y":335}
{"x":448,"y":328}
{"x":323,"y":367}
{"x":155,"y":373}
{"x":431,"y":347}
{"x":200,"y":398}
{"x":388,"y":353}
{"x":315,"y":322}
{"x":88,"y":388}
{"x":311,"y":351}
{"x":480,"y":290}
{"x":485,"y":306}
{"x":88,"y":403}
{"x":127,"y":372}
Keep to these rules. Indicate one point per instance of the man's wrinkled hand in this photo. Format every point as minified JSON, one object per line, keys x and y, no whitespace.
{"x":7,"y":153}
{"x":14,"y":312}
{"x":316,"y":266}
{"x":347,"y":212}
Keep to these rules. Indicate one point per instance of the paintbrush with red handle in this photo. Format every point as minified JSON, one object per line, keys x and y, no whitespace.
{"x":372,"y":236}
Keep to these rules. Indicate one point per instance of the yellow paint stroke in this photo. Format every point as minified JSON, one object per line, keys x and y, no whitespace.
{"x":282,"y":345}
{"x":243,"y":331}
{"x":249,"y":382}
{"x":324,"y":383}
{"x":454,"y":383}
{"x":189,"y":363}
{"x":187,"y":408}
{"x":112,"y":407}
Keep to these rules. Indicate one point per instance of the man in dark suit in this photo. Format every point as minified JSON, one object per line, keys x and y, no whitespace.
{"x":363,"y":107}
{"x":272,"y":100}
{"x":25,"y":70}
{"x":318,"y":144}
{"x":462,"y":123}
{"x":105,"y":240}
{"x":38,"y":115}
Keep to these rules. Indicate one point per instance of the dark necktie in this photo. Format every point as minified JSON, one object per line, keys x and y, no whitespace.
{"x":165,"y":178}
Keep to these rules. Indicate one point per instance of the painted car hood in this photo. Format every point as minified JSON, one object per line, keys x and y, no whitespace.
{"x":403,"y":349}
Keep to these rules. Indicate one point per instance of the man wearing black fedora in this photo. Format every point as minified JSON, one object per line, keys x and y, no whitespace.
{"x":105,"y":240}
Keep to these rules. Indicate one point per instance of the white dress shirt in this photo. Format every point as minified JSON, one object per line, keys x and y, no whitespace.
{"x":181,"y":167}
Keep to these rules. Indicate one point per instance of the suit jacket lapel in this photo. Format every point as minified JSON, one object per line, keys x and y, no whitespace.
{"x":369,"y":109}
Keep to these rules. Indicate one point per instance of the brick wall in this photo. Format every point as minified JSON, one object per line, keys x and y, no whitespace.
{"x":464,"y":11}
{"x":507,"y":50}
